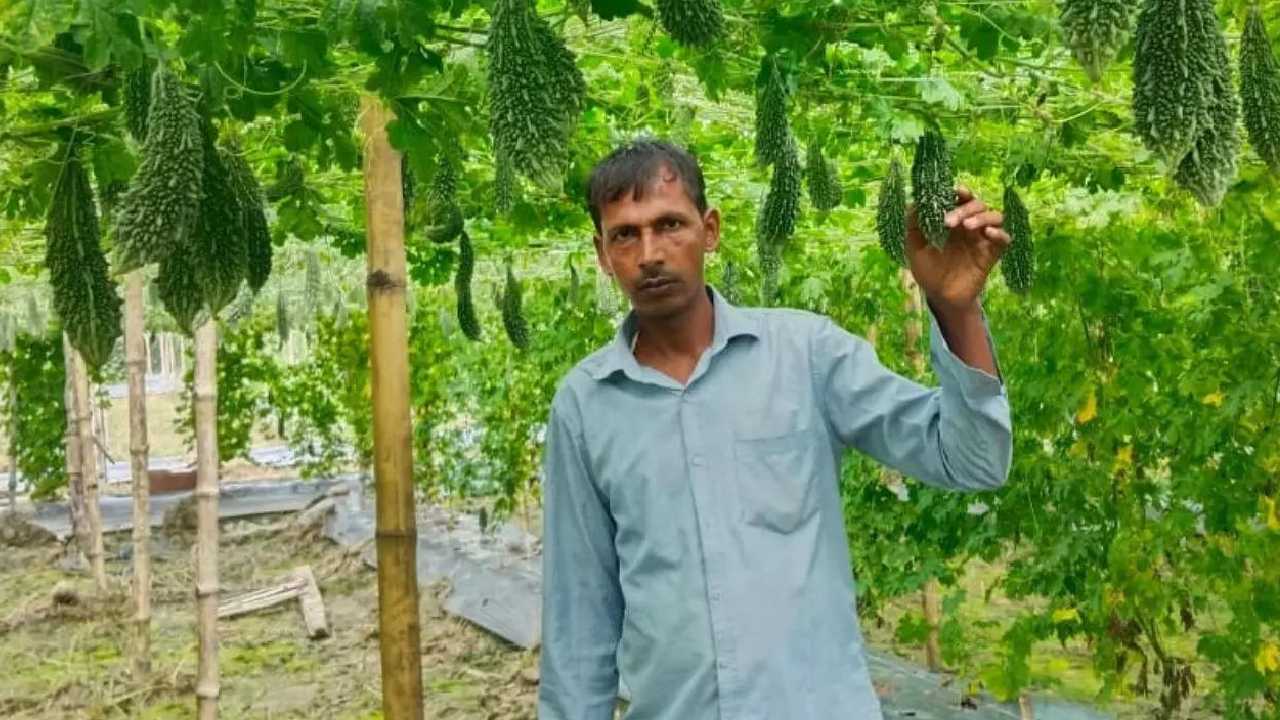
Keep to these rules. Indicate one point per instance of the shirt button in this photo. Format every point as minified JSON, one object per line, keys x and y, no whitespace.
{"x":697,"y":460}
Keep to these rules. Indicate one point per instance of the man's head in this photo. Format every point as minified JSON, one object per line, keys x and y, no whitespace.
{"x":653,"y":225}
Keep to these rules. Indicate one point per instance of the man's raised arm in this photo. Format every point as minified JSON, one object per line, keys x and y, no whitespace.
{"x":956,"y":437}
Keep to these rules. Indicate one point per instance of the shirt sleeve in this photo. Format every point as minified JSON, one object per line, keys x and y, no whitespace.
{"x":957,"y":437}
{"x":581,"y":596}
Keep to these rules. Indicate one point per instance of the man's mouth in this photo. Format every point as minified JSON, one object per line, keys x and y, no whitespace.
{"x":653,"y":284}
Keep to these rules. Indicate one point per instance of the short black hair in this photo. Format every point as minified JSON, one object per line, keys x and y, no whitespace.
{"x":633,"y":166}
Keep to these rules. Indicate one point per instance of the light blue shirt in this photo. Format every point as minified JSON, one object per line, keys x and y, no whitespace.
{"x":693,"y":536}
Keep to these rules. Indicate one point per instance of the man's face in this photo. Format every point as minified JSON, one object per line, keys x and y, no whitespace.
{"x":654,"y":246}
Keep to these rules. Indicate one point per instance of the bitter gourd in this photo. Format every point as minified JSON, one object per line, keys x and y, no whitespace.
{"x":162,"y":204}
{"x":1018,"y":262}
{"x":933,"y":187}
{"x":84,"y":295}
{"x":891,"y":214}
{"x":1260,"y":90}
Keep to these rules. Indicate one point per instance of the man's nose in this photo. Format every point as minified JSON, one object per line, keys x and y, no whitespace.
{"x":652,"y":249}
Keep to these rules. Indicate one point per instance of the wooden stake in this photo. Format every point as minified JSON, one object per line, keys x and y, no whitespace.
{"x":136,"y":361}
{"x":1026,"y":711}
{"x":392,"y":434}
{"x":13,"y":449}
{"x":89,"y":470}
{"x":71,"y":441}
{"x":929,"y":601}
{"x":206,"y":494}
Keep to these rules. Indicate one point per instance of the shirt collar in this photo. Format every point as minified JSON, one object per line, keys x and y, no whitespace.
{"x":730,"y":322}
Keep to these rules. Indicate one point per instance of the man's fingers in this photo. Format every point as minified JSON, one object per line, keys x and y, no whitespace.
{"x":963,"y":194}
{"x":998,"y":236}
{"x":982,"y":219}
{"x":960,"y":214}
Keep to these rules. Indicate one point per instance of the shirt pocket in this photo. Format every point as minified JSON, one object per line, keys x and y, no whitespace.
{"x":775,"y":480}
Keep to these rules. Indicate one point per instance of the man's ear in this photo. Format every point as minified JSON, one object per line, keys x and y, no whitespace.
{"x":711,"y":222}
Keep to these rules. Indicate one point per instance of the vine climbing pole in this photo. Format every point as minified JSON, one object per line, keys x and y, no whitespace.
{"x":135,"y":361}
{"x":13,"y":448}
{"x":206,"y":407}
{"x":88,"y":467}
{"x":392,"y":434}
{"x":929,"y":600}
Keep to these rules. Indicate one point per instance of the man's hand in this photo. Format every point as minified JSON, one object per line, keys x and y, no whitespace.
{"x":953,"y":277}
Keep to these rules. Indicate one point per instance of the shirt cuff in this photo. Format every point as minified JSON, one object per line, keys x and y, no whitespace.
{"x":975,"y":384}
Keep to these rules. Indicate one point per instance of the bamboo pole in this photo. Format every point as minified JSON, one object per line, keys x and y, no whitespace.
{"x":89,"y":469}
{"x":71,"y":442}
{"x":930,"y":602}
{"x":13,"y":447}
{"x":136,"y":357}
{"x":392,"y":434}
{"x":206,"y":494}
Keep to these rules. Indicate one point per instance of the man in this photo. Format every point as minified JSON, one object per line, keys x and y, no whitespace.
{"x":694,"y":541}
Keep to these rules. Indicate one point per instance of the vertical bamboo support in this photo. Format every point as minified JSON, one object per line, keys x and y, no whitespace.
{"x":13,"y":449}
{"x":89,"y":469}
{"x":71,"y":442}
{"x":206,"y":494}
{"x":930,"y":601}
{"x":136,"y":357}
{"x":392,"y":434}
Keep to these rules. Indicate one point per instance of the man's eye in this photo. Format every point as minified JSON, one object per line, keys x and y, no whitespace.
{"x":669,"y":224}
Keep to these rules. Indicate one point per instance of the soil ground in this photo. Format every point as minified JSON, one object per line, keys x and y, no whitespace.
{"x":72,"y":660}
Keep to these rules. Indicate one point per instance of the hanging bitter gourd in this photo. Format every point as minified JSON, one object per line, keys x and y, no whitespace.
{"x":162,"y":204}
{"x":729,"y":283}
{"x":773,"y":133}
{"x":462,"y":286}
{"x":408,"y":184}
{"x":693,"y":23}
{"x":218,"y":246}
{"x":1209,"y":167}
{"x":1095,"y":30}
{"x":253,"y":217}
{"x":933,"y":187}
{"x":179,"y":291}
{"x":891,"y":214}
{"x":770,"y":258}
{"x":84,"y":296}
{"x":445,"y":219}
{"x":1170,"y":85}
{"x":781,"y":209}
{"x":1018,"y":262}
{"x":513,"y":312}
{"x":823,"y":179}
{"x":1260,"y":90}
{"x":137,"y":102}
{"x":536,"y":92}
{"x":282,"y":318}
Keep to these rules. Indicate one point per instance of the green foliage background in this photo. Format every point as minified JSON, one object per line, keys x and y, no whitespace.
{"x":33,"y":383}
